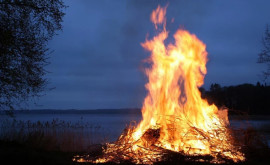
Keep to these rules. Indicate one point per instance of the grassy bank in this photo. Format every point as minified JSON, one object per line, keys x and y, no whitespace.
{"x":17,"y":153}
{"x":45,"y":143}
{"x":13,"y":152}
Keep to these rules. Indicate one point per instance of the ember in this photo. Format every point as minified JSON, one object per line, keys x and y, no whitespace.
{"x":175,"y":117}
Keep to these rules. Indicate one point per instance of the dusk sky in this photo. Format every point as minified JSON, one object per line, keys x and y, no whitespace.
{"x":98,"y":60}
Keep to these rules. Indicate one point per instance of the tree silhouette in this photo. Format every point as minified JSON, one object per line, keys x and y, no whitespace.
{"x":243,"y":98}
{"x":26,"y":27}
{"x":264,"y":55}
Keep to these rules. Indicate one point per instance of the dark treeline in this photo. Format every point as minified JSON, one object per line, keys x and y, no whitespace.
{"x":245,"y":98}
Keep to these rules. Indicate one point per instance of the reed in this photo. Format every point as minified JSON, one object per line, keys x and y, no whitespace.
{"x":57,"y":135}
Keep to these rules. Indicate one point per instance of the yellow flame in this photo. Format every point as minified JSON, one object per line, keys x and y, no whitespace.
{"x":174,"y":103}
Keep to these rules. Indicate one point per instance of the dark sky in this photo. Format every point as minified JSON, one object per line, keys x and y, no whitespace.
{"x":97,"y":58}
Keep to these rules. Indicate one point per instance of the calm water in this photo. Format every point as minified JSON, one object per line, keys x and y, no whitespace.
{"x":111,"y":123}
{"x":108,"y":123}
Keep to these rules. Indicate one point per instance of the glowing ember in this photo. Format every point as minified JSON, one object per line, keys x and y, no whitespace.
{"x":175,"y":117}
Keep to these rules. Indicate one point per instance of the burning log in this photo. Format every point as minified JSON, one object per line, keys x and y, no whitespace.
{"x":151,"y":136}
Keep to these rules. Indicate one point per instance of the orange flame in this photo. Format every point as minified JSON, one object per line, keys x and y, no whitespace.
{"x":158,"y":16}
{"x":174,"y":103}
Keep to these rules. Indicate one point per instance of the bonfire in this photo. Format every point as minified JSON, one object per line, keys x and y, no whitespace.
{"x":176,"y":120}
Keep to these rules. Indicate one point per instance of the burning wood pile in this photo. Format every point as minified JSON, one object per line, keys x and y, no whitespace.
{"x":176,"y":120}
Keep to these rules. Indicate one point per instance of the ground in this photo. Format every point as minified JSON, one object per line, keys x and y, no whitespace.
{"x":16,"y":153}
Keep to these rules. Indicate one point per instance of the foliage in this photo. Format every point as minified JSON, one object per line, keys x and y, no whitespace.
{"x":244,"y":98}
{"x":26,"y":27}
{"x":264,"y":55}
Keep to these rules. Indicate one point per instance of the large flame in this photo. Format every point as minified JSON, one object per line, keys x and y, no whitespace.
{"x":179,"y":119}
{"x":174,"y":104}
{"x":173,"y":96}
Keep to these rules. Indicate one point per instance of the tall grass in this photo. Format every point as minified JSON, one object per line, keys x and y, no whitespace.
{"x":57,"y":135}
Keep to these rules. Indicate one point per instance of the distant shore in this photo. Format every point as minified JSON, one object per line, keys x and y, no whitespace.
{"x":117,"y":111}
